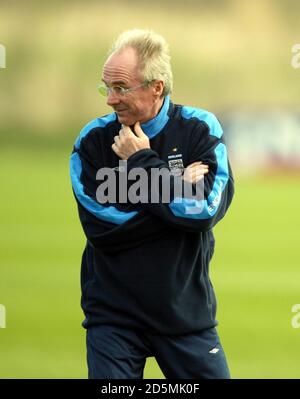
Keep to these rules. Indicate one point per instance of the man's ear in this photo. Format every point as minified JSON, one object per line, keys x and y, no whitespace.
{"x":158,"y":87}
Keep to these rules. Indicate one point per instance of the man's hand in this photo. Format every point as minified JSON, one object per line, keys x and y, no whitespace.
{"x":127,"y":143}
{"x":195,"y":172}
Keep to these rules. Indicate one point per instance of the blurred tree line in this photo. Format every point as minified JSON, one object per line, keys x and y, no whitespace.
{"x":225,"y":55}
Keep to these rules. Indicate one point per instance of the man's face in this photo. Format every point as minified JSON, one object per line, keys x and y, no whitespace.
{"x":121,"y":69}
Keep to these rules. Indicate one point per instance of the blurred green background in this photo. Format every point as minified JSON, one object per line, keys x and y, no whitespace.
{"x":226,"y":55}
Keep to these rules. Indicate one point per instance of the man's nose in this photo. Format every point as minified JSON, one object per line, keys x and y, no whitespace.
{"x":112,"y":98}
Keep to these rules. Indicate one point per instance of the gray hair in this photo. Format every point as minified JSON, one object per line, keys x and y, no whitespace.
{"x":153,"y":53}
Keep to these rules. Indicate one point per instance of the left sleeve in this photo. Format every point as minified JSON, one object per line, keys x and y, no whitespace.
{"x":186,"y":212}
{"x":108,"y":227}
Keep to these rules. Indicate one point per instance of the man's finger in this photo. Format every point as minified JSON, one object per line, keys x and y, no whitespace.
{"x":198,"y":167}
{"x":138,"y":130}
{"x":202,"y":169}
{"x":197,"y":164}
{"x":198,"y":170}
{"x":196,"y":175}
{"x":126,"y":130}
{"x":115,"y":149}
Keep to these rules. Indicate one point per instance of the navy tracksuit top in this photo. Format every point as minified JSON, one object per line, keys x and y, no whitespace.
{"x":146,"y":265}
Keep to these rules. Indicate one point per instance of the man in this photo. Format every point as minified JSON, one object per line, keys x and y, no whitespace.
{"x":145,"y":268}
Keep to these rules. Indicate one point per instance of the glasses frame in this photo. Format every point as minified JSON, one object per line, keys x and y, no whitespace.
{"x":104,"y":90}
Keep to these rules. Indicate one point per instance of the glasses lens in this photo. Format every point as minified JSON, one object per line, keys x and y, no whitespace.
{"x":102,"y":90}
{"x":119,"y":90}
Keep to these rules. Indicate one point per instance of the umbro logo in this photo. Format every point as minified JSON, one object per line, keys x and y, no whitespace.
{"x":215,"y":350}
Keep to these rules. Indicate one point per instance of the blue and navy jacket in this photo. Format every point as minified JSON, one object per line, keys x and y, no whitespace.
{"x":146,"y":266}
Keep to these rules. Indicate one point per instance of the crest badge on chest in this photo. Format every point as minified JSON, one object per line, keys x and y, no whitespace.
{"x":175,"y":163}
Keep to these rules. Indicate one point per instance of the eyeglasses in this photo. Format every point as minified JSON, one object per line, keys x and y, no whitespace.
{"x":119,"y":90}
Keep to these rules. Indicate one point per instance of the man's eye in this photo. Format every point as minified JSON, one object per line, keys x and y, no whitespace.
{"x":119,"y":89}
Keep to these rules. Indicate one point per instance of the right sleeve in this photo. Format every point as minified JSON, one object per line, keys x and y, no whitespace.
{"x":106,"y":226}
{"x":188,"y":210}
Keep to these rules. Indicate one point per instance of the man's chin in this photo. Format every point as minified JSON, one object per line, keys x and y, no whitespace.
{"x":125,"y":120}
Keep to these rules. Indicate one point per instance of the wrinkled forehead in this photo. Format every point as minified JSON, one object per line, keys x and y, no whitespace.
{"x":122,"y":67}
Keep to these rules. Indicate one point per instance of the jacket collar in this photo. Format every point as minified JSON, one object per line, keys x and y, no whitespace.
{"x":154,"y":126}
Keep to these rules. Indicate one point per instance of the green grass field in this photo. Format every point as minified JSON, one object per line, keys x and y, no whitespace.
{"x":54,"y":59}
{"x":255,"y":272}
